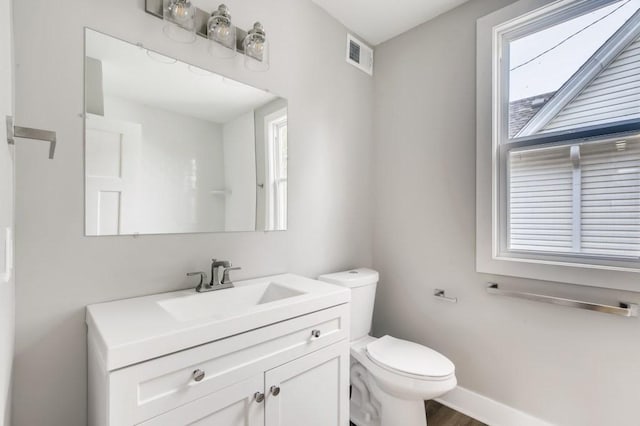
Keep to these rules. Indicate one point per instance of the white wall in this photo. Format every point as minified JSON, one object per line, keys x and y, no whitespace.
{"x":181,"y":162}
{"x":7,"y":289}
{"x":61,"y":271}
{"x":240,"y":173}
{"x":566,"y":366}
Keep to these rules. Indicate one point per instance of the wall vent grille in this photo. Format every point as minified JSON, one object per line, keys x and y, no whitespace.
{"x":359,"y":54}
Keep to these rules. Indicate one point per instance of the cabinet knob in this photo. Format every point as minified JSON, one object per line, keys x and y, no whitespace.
{"x":259,"y":396}
{"x":315,"y":333}
{"x":275,"y":390}
{"x":198,"y":375}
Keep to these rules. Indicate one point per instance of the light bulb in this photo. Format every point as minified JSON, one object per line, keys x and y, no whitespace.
{"x":181,"y":10}
{"x":222,"y":32}
{"x":257,"y":47}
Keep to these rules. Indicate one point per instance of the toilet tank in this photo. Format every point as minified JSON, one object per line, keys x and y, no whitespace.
{"x":362,"y":282}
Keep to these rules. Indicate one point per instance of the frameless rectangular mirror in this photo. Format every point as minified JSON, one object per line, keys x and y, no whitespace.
{"x":172,"y":148}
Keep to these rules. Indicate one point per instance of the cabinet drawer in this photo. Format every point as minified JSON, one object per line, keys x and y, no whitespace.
{"x":145,"y":390}
{"x":232,"y":406}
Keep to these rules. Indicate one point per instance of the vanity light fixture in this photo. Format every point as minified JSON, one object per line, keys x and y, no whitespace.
{"x":256,"y":49}
{"x":180,"y":20}
{"x":183,"y":22}
{"x":221,"y":33}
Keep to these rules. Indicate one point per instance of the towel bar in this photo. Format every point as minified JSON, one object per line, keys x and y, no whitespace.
{"x":624,"y":309}
{"x":29,"y":133}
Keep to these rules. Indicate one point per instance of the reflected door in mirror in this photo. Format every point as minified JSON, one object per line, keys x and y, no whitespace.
{"x":112,"y":150}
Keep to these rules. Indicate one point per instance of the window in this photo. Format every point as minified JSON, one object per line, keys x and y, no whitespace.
{"x":276,"y":125}
{"x":565,"y":133}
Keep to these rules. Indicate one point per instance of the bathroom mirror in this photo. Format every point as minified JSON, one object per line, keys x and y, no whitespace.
{"x":172,"y":148}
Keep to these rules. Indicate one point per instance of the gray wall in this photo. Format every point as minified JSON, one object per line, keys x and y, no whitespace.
{"x":566,"y":366}
{"x":60,"y":271}
{"x":7,"y":289}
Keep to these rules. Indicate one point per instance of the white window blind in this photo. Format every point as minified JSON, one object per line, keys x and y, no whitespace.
{"x":611,"y":199}
{"x":580,"y":199}
{"x":540,"y":206}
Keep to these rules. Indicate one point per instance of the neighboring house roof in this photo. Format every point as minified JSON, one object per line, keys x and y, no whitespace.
{"x":523,"y":110}
{"x":605,"y":89}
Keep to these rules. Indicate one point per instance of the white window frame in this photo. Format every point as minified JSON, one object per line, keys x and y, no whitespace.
{"x":489,"y":175}
{"x":276,"y":213}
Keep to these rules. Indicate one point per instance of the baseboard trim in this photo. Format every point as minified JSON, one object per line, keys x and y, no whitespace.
{"x":487,"y":410}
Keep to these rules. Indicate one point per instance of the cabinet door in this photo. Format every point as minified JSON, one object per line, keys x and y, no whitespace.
{"x":310,"y":391}
{"x":235,"y":405}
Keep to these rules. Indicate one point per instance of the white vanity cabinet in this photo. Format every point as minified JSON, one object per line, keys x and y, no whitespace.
{"x":307,"y":391}
{"x":290,"y":373}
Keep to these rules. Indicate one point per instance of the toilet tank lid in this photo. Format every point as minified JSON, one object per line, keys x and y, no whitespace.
{"x":352,"y":278}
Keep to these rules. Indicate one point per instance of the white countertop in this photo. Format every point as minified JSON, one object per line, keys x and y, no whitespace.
{"x":133,"y":330}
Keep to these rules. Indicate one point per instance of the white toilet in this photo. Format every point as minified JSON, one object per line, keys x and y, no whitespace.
{"x":390,"y":378}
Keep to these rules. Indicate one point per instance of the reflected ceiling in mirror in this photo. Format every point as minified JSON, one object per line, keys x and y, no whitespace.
{"x":173,"y":148}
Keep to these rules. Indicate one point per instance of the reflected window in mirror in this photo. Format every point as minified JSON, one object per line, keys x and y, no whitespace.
{"x":277,"y":169}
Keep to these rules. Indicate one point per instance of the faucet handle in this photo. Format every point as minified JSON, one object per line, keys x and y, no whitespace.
{"x":203,"y":276}
{"x":225,"y":274}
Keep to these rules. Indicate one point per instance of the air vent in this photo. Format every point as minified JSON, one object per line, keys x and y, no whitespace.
{"x":359,"y":54}
{"x":354,"y":51}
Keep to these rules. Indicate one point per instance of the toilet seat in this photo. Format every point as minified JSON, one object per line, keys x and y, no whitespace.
{"x":409,"y":359}
{"x":399,"y":384}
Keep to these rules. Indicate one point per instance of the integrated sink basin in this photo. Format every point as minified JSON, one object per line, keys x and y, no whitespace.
{"x":129,"y":331}
{"x":227,"y":302}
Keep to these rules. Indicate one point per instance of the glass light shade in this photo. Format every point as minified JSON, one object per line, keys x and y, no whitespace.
{"x":256,"y":49}
{"x":179,"y":20}
{"x":221,"y":33}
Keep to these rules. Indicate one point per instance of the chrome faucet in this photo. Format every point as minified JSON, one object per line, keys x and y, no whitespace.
{"x":216,"y":283}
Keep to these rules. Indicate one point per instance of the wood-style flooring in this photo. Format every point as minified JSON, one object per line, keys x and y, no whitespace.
{"x":440,"y":415}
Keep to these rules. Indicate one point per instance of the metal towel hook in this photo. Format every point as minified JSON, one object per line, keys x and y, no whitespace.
{"x":29,"y":133}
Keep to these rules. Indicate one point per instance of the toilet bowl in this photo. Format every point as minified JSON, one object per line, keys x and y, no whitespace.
{"x":390,"y":377}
